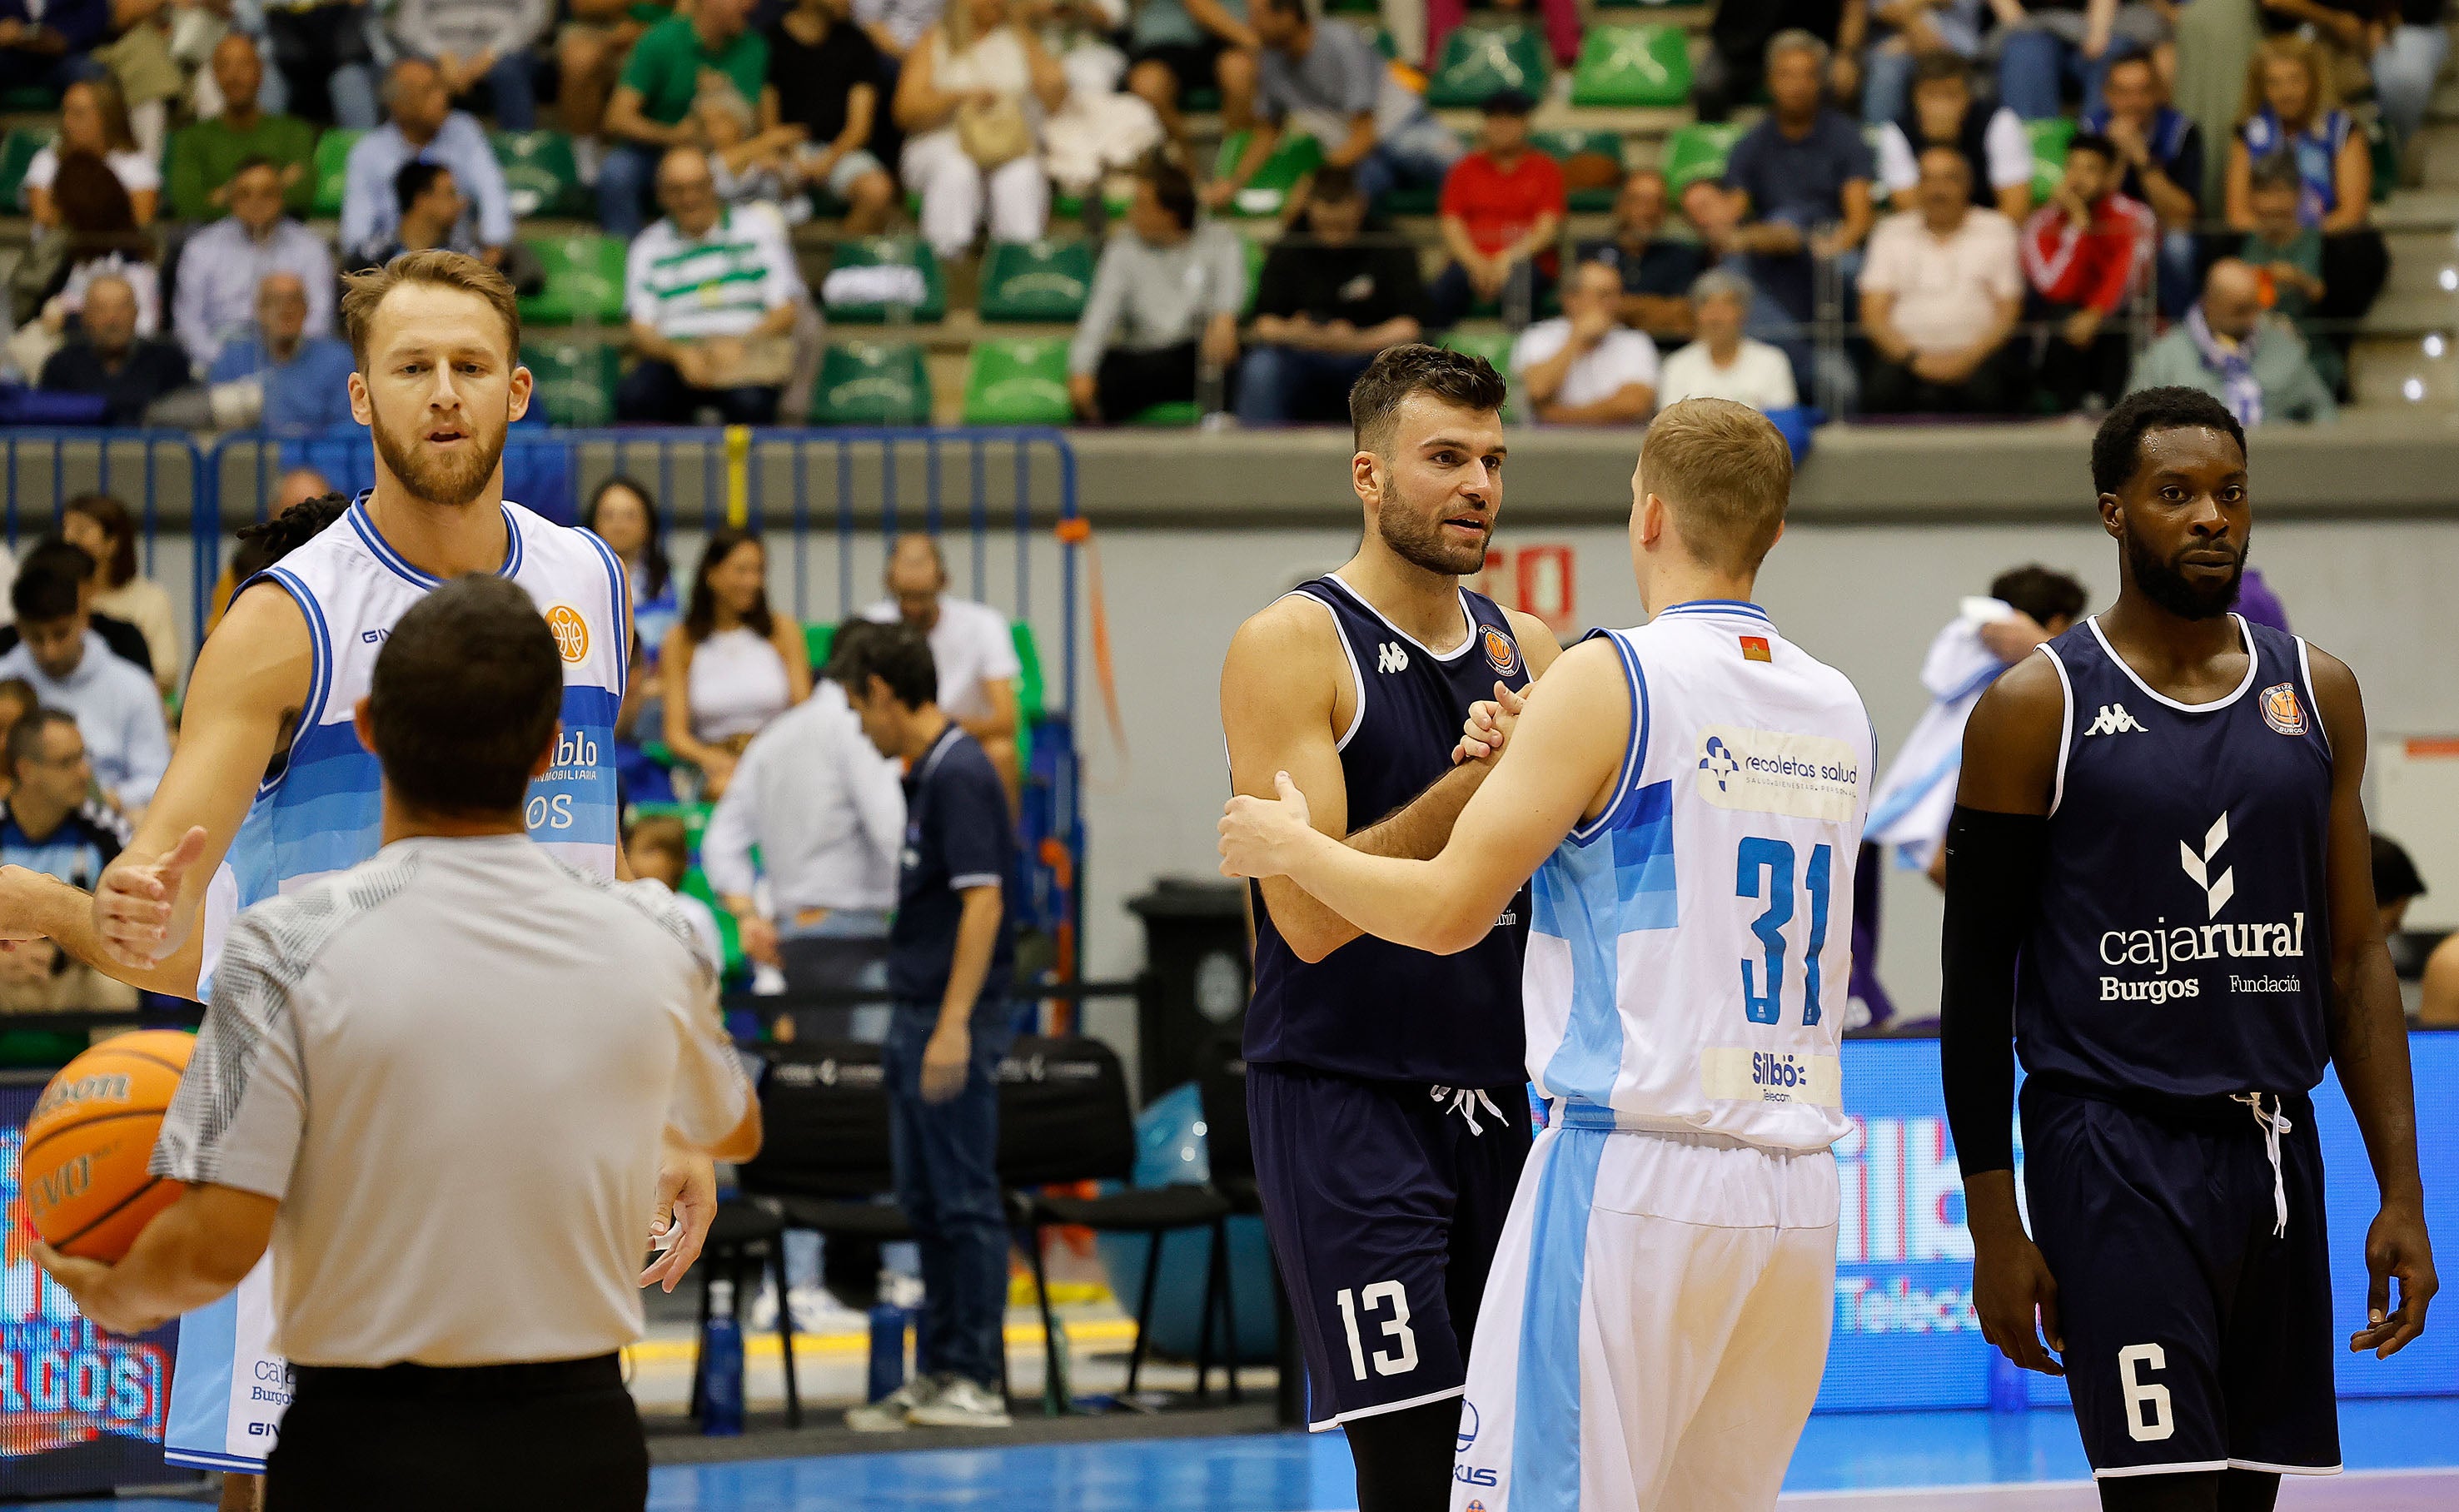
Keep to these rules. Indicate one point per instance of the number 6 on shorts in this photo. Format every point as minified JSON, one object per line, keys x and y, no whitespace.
{"x":2140,"y":1392}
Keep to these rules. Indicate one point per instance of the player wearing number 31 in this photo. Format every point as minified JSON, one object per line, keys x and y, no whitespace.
{"x":1689,"y":796}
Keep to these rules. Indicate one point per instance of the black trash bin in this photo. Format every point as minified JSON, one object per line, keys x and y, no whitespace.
{"x":1196,"y":977}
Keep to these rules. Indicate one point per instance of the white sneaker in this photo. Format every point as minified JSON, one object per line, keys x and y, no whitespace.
{"x":816,"y":1310}
{"x":895,"y":1412}
{"x":961,"y":1403}
{"x":763,"y":1316}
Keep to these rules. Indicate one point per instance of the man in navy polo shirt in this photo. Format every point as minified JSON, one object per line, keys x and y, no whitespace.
{"x":951,"y":952}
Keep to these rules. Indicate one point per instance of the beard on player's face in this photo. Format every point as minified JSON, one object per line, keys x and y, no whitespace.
{"x":1416,"y":535}
{"x":2164,"y":581}
{"x":448,"y":477}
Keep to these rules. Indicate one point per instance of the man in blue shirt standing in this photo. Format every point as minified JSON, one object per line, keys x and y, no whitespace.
{"x":306,"y":379}
{"x":951,"y":953}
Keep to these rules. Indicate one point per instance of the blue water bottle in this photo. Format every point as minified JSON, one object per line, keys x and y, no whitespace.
{"x":887,"y":1350}
{"x":720,"y":1355}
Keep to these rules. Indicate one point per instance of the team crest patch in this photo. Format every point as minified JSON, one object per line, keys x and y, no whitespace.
{"x":1754,"y":649}
{"x":571,"y":632}
{"x":2281,"y":711}
{"x":1501,"y":652}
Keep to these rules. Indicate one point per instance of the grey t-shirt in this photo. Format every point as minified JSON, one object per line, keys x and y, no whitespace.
{"x":1340,"y":77}
{"x":1146,"y":297}
{"x":452,"y":1064}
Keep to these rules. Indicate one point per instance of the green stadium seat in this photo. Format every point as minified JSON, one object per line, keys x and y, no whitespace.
{"x":1633,"y":66}
{"x":584,"y":282}
{"x":872,"y":384}
{"x":1066,"y":206}
{"x":575,"y":380}
{"x":1380,"y":36}
{"x":1036,"y":281}
{"x":1564,"y":145}
{"x":1018,"y":382}
{"x":1480,"y":60}
{"x":29,"y":99}
{"x":1365,"y":7}
{"x":2049,"y":138}
{"x":1697,"y":150}
{"x":1256,"y":253}
{"x":886,"y":251}
{"x":332,"y":167}
{"x":1296,"y":156}
{"x":2385,"y":148}
{"x":694,"y":815}
{"x":539,"y":173}
{"x":1029,"y":688}
{"x":17,"y":151}
{"x":1175,"y":414}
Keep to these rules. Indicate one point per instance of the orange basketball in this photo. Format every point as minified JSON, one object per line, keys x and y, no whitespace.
{"x":87,"y":1190}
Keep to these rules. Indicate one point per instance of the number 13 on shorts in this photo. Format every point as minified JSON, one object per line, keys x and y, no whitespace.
{"x":1397,"y":1360}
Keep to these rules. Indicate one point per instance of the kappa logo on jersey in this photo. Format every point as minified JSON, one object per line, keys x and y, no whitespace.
{"x":1501,"y":652}
{"x":2281,"y":711}
{"x":1779,"y":773}
{"x":2113,"y":720}
{"x":571,"y":632}
{"x":2216,"y":892}
{"x":1390,"y":657}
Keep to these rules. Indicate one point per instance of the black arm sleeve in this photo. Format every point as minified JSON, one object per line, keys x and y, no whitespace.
{"x":1993,"y":886}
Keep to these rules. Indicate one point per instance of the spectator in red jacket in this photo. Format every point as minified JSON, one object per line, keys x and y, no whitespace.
{"x":2083,"y":253}
{"x":1502,"y":207}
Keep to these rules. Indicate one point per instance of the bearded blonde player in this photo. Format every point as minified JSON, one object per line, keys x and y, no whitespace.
{"x":270,"y":788}
{"x":1689,"y":796}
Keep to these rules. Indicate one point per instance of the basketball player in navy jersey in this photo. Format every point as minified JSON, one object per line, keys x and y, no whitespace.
{"x":1384,"y":1085}
{"x":2158,"y":881}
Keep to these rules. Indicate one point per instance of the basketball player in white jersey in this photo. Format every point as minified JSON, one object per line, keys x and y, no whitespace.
{"x":1689,"y":796}
{"x":270,"y":788}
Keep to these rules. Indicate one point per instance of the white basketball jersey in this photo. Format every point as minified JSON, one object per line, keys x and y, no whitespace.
{"x":1689,"y":949}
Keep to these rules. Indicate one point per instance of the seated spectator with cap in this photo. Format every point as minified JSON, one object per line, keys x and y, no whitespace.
{"x":1939,"y":296}
{"x":52,"y":822}
{"x":1584,"y":366}
{"x":1163,"y":306}
{"x":1997,"y":153}
{"x":223,"y":266}
{"x":108,"y":359}
{"x":121,"y":637}
{"x":205,"y":155}
{"x":1327,"y":300}
{"x":1502,"y":206}
{"x":116,"y":707}
{"x":971,"y":647}
{"x":102,"y":527}
{"x":306,"y":379}
{"x":1721,"y":363}
{"x":1657,"y":271}
{"x":2231,"y":349}
{"x":712,"y":295}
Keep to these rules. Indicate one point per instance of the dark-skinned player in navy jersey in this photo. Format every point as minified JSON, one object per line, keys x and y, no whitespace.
{"x":1386,"y":1086}
{"x":2158,"y":880}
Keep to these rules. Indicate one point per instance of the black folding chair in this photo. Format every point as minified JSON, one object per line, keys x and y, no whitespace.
{"x":1221,"y":1082}
{"x":1063,"y":1118}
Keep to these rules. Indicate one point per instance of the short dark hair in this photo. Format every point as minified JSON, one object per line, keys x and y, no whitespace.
{"x":415,"y":178}
{"x":2041,"y":593}
{"x":844,"y":642}
{"x":2125,"y":55}
{"x":267,"y":542}
{"x":1172,"y":189}
{"x":2117,"y":446}
{"x":1333,"y":184}
{"x":465,"y":696}
{"x":50,"y":581}
{"x":898,"y":655}
{"x":1511,"y":102}
{"x":2396,"y":878}
{"x":2277,"y":170}
{"x":1397,"y":372}
{"x":1288,"y":8}
{"x":2096,"y":143}
{"x":26,"y":737}
{"x":1939,"y":66}
{"x":252,"y":163}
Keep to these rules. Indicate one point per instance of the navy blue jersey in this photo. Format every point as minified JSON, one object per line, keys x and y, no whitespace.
{"x":1372,"y":1008}
{"x":86,"y":839}
{"x":2183,"y":944}
{"x":957,"y":835}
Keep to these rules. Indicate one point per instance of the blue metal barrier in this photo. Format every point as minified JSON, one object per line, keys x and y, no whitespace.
{"x":45,"y":467}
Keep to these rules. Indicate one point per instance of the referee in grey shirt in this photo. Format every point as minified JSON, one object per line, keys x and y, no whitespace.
{"x":435,"y":1084}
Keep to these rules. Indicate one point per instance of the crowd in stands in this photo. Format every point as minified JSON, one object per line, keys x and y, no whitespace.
{"x":1938,"y":206}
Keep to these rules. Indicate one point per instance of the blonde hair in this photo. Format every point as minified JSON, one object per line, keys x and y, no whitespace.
{"x":2288,"y":47}
{"x":1725,"y":471}
{"x":364,"y":292}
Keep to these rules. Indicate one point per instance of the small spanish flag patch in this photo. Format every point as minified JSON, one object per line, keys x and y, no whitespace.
{"x":1754,"y":649}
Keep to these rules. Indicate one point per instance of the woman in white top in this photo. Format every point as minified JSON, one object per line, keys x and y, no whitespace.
{"x":1721,"y":362}
{"x":988,"y":67}
{"x":102,"y":528}
{"x":733,"y":664}
{"x":93,"y":118}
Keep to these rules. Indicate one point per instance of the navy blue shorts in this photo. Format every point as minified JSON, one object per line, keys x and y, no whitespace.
{"x":2198,"y":1338}
{"x":1385,"y":1201}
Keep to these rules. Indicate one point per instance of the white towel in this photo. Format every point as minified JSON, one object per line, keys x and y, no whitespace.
{"x":1917,"y":797}
{"x":892,"y":283}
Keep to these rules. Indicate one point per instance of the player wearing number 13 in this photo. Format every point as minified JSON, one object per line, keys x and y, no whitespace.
{"x":2172,"y":911}
{"x":1689,"y":796}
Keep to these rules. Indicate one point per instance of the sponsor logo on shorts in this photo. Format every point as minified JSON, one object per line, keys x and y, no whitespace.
{"x":1501,"y":652}
{"x":1467,"y":1434}
{"x":571,"y":632}
{"x":2281,"y":709}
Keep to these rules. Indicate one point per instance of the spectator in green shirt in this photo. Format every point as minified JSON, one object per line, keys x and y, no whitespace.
{"x":205,"y":155}
{"x":652,"y":107}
